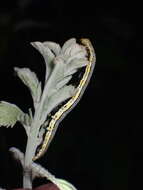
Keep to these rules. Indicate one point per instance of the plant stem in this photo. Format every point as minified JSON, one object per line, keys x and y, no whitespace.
{"x":32,"y":141}
{"x":27,"y":179}
{"x":29,"y":154}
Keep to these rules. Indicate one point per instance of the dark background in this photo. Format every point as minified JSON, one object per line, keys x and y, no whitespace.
{"x":99,"y":144}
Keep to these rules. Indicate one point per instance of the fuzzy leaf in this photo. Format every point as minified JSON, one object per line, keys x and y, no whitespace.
{"x":47,"y":55}
{"x":64,"y":185}
{"x":74,"y":65}
{"x":30,"y":79}
{"x":63,"y":82}
{"x":9,"y":114}
{"x":57,"y":98}
{"x":56,"y":76}
{"x":54,"y":47}
{"x":62,"y":94}
{"x":67,"y":44}
{"x":25,"y":119}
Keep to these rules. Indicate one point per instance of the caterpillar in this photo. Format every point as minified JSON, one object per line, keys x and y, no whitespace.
{"x":67,"y":107}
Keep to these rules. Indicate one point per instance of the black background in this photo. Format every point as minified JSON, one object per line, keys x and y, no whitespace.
{"x":99,"y":144}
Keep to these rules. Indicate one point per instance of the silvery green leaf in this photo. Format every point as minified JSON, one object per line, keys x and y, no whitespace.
{"x":80,"y":54}
{"x":74,"y":65}
{"x":39,"y":92}
{"x":48,"y":57}
{"x":30,"y":79}
{"x":9,"y":114}
{"x":63,"y":82}
{"x":67,"y":44}
{"x":64,"y":185}
{"x":57,"y":98}
{"x":17,"y":154}
{"x":25,"y":119}
{"x":58,"y":72}
{"x":30,"y":113}
{"x":70,"y":72}
{"x":72,"y":50}
{"x":56,"y":76}
{"x":54,"y":47}
{"x":76,"y":48}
